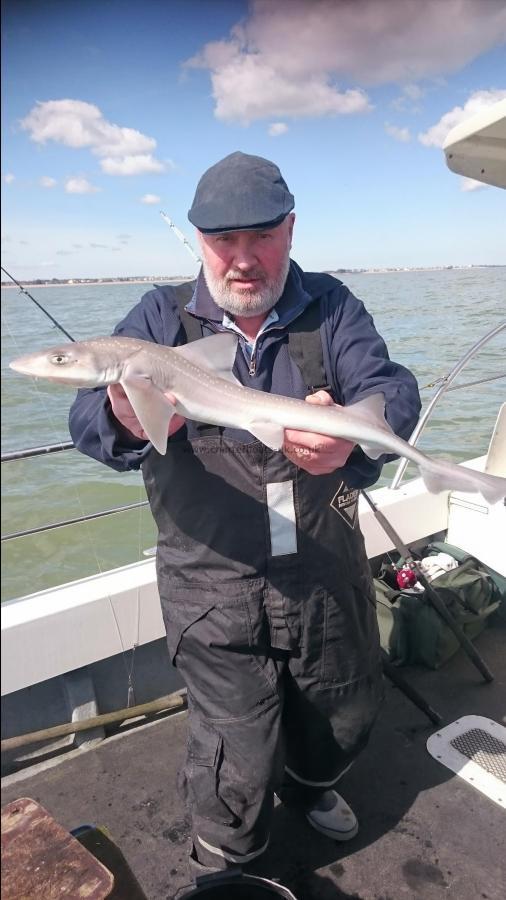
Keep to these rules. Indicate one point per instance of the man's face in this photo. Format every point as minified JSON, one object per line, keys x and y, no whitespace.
{"x":246,"y":271}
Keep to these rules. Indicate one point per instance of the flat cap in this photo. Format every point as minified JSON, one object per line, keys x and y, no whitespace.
{"x":238,"y":193}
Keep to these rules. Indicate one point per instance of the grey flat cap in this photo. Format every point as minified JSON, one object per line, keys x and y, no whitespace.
{"x":238,"y":193}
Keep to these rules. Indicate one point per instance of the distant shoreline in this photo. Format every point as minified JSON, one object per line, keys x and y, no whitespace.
{"x":170,"y":279}
{"x":98,"y":283}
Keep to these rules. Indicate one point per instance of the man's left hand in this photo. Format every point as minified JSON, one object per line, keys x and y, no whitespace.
{"x":317,"y":454}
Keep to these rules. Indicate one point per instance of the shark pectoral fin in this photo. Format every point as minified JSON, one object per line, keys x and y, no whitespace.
{"x":215,"y":353}
{"x":270,"y":434}
{"x":151,"y":407}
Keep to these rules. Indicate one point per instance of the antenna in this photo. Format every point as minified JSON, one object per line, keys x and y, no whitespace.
{"x":179,"y":234}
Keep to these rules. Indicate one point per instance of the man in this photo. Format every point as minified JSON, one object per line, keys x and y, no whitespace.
{"x":263,"y":577}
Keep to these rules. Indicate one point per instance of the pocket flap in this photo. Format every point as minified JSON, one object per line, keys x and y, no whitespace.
{"x":179,"y":614}
{"x":203,"y":744}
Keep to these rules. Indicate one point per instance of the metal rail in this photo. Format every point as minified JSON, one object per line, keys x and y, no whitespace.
{"x":443,"y":388}
{"x":28,"y":452}
{"x":77,"y":520}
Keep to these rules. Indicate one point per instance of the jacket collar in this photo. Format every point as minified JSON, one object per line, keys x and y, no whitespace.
{"x":292,"y":302}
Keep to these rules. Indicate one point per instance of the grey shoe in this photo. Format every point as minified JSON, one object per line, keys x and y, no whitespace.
{"x":333,"y":817}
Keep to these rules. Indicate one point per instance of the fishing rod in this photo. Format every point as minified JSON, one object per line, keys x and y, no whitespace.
{"x":49,"y":448}
{"x":179,"y":234}
{"x":42,"y":308}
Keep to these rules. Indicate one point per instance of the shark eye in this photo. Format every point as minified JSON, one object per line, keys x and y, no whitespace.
{"x":59,"y":359}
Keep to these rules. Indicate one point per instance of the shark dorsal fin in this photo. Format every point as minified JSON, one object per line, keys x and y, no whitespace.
{"x":371,"y":410}
{"x":215,"y":353}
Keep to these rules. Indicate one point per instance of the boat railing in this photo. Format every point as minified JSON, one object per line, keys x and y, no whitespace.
{"x":445,"y":386}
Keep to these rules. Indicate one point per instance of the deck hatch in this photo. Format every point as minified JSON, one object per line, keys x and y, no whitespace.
{"x":474,"y":747}
{"x":483,"y":749}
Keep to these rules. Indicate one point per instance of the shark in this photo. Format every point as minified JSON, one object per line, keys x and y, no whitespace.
{"x":199,"y":379}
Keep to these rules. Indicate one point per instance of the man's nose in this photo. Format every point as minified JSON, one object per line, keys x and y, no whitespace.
{"x":244,"y":255}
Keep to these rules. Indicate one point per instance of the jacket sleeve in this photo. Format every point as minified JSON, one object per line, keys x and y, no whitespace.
{"x":361,"y":366}
{"x":93,"y":427}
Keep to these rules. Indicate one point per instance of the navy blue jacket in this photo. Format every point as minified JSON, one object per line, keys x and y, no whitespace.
{"x":356,"y":362}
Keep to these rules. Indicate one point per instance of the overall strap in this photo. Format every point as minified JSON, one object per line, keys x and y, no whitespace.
{"x":305,"y":347}
{"x":193,"y":329}
{"x":184,"y":293}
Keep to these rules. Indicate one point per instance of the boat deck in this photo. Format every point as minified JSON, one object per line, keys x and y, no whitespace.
{"x":424,"y":832}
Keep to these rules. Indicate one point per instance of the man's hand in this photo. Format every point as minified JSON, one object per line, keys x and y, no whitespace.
{"x":124,"y":413}
{"x":318,"y":454}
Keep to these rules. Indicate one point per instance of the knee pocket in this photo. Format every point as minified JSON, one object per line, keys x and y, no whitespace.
{"x":200,"y":779}
{"x":218,"y":782}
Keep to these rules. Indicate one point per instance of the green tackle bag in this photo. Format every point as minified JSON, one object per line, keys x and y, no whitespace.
{"x":412,"y":631}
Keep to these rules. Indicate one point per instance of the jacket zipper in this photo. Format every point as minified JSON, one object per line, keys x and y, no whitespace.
{"x":253,"y":359}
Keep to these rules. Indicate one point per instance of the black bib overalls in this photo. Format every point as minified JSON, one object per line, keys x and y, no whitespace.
{"x":269,"y":608}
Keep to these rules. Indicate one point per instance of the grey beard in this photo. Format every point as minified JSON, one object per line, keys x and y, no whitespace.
{"x":246,"y":303}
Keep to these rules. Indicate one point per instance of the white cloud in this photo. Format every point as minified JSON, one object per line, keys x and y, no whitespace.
{"x":79,"y":185}
{"x":77,"y":124}
{"x":413,"y":91}
{"x":285,"y":58}
{"x":409,"y":98}
{"x":469,"y":184}
{"x":400,"y":134}
{"x":9,"y":178}
{"x":277,"y":128}
{"x":480,"y":100}
{"x":131,"y":165}
{"x":150,"y":199}
{"x":47,"y":182}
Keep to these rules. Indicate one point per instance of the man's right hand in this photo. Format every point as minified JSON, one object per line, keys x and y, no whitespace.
{"x":123,"y":411}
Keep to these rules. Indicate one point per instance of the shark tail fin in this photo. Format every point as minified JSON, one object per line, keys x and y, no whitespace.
{"x":461,"y":478}
{"x":434,"y":482}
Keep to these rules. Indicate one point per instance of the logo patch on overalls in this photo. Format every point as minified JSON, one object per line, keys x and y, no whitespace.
{"x":345,"y":503}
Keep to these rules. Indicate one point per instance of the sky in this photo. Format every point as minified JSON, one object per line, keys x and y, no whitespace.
{"x":112,"y":111}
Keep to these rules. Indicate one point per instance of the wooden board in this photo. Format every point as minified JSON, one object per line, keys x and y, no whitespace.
{"x":41,"y":859}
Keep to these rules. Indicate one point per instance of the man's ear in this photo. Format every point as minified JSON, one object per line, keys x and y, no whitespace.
{"x":291,"y":217}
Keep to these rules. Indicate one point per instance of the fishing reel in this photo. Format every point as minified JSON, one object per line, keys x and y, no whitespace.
{"x":406,"y":577}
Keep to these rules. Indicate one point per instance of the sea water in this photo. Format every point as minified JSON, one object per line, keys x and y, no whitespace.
{"x":428,"y":319}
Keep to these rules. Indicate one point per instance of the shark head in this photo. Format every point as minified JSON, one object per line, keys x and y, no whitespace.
{"x":82,"y":364}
